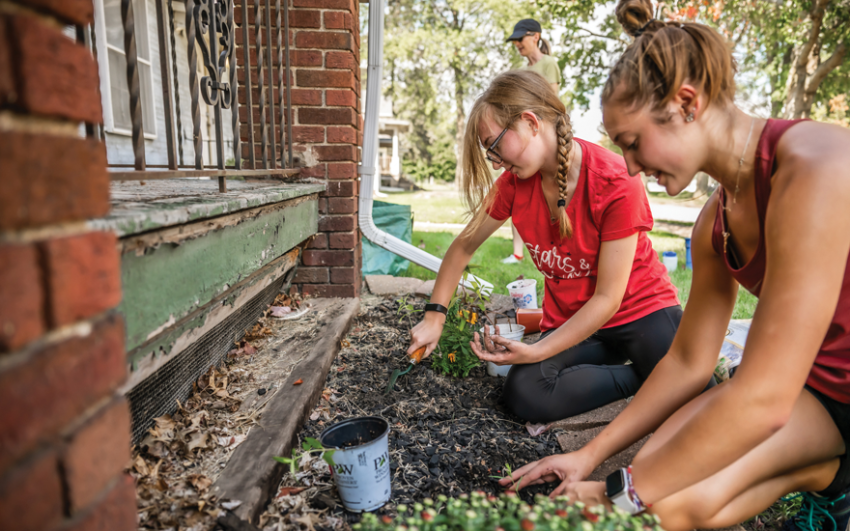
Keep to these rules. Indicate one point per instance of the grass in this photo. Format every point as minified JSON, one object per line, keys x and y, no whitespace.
{"x":440,"y":204}
{"x":486,"y":264}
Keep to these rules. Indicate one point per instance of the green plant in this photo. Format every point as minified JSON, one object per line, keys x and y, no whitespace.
{"x":515,"y":485}
{"x":310,"y":446}
{"x":508,"y":512}
{"x":465,"y":311}
{"x":406,"y":310}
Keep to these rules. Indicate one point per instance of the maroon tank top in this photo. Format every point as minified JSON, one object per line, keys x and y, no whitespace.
{"x":830,"y":373}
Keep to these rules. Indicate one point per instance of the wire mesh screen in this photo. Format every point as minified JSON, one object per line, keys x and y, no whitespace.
{"x":157,"y":395}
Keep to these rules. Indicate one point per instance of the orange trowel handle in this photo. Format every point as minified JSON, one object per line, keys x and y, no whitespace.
{"x":416,"y":357}
{"x":530,"y":319}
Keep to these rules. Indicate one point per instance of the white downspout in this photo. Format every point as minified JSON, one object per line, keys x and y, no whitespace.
{"x":370,"y":154}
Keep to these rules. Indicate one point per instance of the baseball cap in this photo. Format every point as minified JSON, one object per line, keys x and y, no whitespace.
{"x":523,"y":27}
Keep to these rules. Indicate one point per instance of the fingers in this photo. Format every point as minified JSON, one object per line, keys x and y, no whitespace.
{"x":561,"y":490}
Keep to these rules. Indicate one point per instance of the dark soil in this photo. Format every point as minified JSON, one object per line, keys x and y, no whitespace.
{"x":448,"y":436}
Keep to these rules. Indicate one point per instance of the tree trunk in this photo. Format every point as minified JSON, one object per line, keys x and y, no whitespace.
{"x":461,"y":120}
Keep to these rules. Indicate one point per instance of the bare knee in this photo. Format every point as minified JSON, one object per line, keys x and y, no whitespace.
{"x":683,"y":511}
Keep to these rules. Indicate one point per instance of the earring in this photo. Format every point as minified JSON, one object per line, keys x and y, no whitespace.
{"x":689,"y":118}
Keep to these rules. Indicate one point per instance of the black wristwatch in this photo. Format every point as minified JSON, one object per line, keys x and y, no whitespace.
{"x":434,"y":307}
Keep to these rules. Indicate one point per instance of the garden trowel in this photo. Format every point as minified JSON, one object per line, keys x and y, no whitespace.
{"x":414,"y":358}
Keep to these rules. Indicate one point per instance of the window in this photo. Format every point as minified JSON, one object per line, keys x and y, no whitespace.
{"x":114,"y":87}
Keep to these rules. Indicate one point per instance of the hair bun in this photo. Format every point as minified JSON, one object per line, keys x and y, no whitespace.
{"x":634,"y":15}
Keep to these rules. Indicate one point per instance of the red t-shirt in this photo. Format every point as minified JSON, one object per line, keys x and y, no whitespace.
{"x":607,"y":205}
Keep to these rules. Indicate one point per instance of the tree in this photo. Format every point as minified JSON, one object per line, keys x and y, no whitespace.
{"x":792,"y":54}
{"x":440,"y":53}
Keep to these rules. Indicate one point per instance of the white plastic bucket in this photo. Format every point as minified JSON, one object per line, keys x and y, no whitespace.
{"x":523,"y":293}
{"x":361,"y":467}
{"x":671,"y":261}
{"x":508,"y":331}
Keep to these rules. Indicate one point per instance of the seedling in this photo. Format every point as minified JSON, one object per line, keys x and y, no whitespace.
{"x":509,"y":474}
{"x":310,"y":446}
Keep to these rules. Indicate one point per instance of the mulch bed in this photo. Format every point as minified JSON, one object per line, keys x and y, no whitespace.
{"x":448,"y":436}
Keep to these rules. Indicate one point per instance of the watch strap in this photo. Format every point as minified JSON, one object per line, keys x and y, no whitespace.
{"x":434,"y":307}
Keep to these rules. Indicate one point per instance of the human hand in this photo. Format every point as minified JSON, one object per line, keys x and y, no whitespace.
{"x":566,"y":468}
{"x":591,"y":493}
{"x":501,"y":351}
{"x":426,"y":334}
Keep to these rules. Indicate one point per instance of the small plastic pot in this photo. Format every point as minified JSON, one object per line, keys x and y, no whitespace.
{"x":507,"y":331}
{"x":361,"y":462}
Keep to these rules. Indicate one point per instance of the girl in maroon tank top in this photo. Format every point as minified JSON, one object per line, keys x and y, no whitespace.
{"x":780,"y":227}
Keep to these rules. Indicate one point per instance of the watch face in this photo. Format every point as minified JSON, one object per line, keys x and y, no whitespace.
{"x":615,"y":483}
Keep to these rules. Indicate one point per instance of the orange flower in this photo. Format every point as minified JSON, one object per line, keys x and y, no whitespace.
{"x":452,"y":357}
{"x":474,"y":318}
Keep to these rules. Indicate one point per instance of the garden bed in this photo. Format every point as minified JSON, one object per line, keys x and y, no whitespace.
{"x":448,"y":436}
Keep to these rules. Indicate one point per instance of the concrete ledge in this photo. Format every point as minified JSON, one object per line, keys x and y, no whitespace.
{"x":138,"y":208}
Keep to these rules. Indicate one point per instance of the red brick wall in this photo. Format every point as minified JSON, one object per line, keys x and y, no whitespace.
{"x":64,"y":430}
{"x":327,"y":130}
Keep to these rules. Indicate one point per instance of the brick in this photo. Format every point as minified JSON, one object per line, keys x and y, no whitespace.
{"x":343,"y":240}
{"x":115,"y":512}
{"x":69,"y":184}
{"x":320,"y":241}
{"x":337,"y":223}
{"x":21,"y":299}
{"x":329,"y":153}
{"x":305,"y":19}
{"x":317,"y":171}
{"x":31,"y":494}
{"x":7,"y":84}
{"x":325,"y":78}
{"x":342,"y":170}
{"x":327,"y":116}
{"x":96,"y":454}
{"x":308,"y":134}
{"x":342,"y":205}
{"x":340,"y":98}
{"x":312,"y":275}
{"x":342,"y":135}
{"x":323,"y":4}
{"x":328,"y":258}
{"x":335,"y":19}
{"x":342,"y":60}
{"x":329,"y":290}
{"x":306,"y":97}
{"x":343,"y":275}
{"x":341,"y":189}
{"x":83,"y":276}
{"x":54,"y":75}
{"x":323,"y":205}
{"x":56,"y":384}
{"x":70,"y":11}
{"x":324,"y":40}
{"x":306,"y":58}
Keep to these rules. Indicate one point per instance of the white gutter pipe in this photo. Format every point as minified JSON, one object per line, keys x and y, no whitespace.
{"x":368,"y":171}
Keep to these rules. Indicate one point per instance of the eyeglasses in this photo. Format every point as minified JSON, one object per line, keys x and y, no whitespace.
{"x":490,"y":153}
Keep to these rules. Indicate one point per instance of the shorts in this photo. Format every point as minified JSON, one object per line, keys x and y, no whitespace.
{"x":840,"y":414}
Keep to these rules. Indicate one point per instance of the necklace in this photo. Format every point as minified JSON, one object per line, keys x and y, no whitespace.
{"x":726,"y":233}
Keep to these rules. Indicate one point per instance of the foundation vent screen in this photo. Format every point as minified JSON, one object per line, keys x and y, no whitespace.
{"x":158,"y":394}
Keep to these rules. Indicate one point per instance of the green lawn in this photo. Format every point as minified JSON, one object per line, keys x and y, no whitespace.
{"x":439,"y":204}
{"x":486,"y":264}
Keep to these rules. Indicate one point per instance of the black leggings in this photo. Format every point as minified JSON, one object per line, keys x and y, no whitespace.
{"x":592,"y":373}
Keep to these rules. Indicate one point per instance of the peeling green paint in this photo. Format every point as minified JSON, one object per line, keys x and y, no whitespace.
{"x":168,"y":282}
{"x":163,"y":343}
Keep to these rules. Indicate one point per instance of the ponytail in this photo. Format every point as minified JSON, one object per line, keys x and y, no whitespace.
{"x":543,"y":44}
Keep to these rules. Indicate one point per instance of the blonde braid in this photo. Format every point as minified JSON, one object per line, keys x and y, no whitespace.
{"x":565,"y":138}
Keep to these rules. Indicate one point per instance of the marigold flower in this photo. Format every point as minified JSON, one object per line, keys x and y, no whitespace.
{"x":452,"y":357}
{"x":474,"y":318}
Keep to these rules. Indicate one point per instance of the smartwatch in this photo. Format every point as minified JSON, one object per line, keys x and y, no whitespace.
{"x":433,"y":307}
{"x":617,"y":489}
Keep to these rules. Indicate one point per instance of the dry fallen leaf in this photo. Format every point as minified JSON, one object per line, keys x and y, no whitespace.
{"x":200,"y":482}
{"x":141,"y":466}
{"x":288,"y":491}
{"x":197,"y":440}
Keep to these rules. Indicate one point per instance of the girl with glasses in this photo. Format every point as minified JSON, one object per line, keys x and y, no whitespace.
{"x":782,"y":423}
{"x":608,"y":299}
